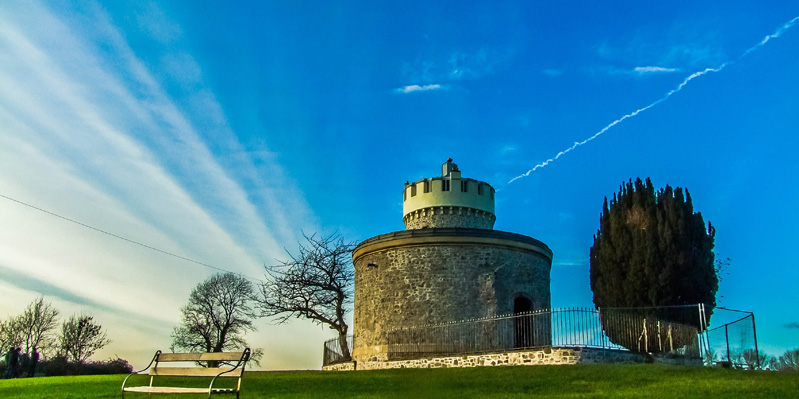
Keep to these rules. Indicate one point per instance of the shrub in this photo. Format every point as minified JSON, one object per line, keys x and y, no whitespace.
{"x":59,"y":366}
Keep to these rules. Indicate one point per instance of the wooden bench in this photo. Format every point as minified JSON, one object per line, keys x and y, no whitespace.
{"x":230,"y":364}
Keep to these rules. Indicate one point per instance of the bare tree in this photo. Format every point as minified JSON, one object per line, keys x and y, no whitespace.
{"x":755,"y":360}
{"x":218,"y":315}
{"x":316,"y":284}
{"x":34,"y":328}
{"x":10,"y":333}
{"x":80,"y":337}
{"x":38,"y":323}
{"x":789,"y":361}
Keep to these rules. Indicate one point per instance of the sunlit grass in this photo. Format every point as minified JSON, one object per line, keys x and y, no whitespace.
{"x":582,"y":381}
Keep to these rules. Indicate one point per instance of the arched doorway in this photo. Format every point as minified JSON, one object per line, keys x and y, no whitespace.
{"x":522,"y":322}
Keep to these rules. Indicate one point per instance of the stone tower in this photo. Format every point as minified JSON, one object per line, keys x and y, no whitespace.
{"x":448,"y":265}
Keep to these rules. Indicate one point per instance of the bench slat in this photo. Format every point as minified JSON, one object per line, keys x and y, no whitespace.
{"x":194,"y":371}
{"x":166,"y":390}
{"x":146,"y":389}
{"x":195,"y":357}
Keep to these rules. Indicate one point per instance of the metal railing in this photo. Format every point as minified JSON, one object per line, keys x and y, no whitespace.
{"x":337,"y":352}
{"x":655,"y":330}
{"x":571,"y":327}
{"x":664,"y":331}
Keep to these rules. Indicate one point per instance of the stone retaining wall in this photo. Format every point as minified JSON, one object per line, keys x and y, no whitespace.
{"x":543,"y":356}
{"x":532,"y":357}
{"x":347,"y":366}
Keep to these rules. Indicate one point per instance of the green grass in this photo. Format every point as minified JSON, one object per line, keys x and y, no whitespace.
{"x":581,"y":381}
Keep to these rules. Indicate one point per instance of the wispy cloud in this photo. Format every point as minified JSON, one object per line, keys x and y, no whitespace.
{"x":639,"y":71}
{"x":417,"y":88}
{"x":684,"y":44}
{"x":471,"y":65}
{"x":456,"y":65}
{"x":791,"y":325}
{"x":654,"y":69}
{"x":86,"y":130}
{"x":507,"y":150}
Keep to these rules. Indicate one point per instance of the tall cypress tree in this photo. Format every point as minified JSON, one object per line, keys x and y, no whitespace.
{"x":652,"y":251}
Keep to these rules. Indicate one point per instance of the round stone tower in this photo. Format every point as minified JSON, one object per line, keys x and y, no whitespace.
{"x":448,"y":265}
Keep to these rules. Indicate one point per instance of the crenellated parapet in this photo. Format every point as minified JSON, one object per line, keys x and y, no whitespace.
{"x":449,"y":216}
{"x":448,"y":201}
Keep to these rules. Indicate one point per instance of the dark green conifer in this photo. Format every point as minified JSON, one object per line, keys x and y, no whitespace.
{"x":652,"y":250}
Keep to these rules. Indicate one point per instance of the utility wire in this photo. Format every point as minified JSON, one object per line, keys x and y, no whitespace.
{"x":123,"y":238}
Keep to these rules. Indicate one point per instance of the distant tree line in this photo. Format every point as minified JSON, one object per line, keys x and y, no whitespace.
{"x":750,"y":359}
{"x":789,"y":361}
{"x":35,"y":342}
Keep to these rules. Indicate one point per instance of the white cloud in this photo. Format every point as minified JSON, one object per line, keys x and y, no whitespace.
{"x":637,"y":71}
{"x":88,"y":132}
{"x":686,"y":44}
{"x":654,"y":69}
{"x":417,"y":88}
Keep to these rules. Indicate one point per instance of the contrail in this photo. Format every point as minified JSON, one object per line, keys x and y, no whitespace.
{"x":679,"y":87}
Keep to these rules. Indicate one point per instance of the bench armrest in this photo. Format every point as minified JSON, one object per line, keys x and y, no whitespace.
{"x":155,"y":358}
{"x":241,"y":363}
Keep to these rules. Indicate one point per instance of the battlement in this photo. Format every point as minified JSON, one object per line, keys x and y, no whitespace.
{"x":463,"y":197}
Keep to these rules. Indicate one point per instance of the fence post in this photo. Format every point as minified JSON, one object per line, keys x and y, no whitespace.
{"x":704,"y":336}
{"x":754,"y":333}
{"x":727,"y":338}
{"x":601,"y":332}
{"x":700,"y":339}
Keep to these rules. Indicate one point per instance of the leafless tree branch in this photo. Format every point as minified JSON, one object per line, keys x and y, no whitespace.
{"x":316,"y":284}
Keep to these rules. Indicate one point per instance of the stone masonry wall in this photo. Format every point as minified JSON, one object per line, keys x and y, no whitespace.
{"x":346,"y":366}
{"x":421,"y":285}
{"x":449,"y":216}
{"x":544,"y":356}
{"x":530,"y":357}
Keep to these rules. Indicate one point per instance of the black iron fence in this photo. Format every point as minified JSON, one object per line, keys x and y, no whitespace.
{"x":470,"y":336}
{"x":642,"y":330}
{"x":670,"y":330}
{"x":336,"y":351}
{"x":637,"y":331}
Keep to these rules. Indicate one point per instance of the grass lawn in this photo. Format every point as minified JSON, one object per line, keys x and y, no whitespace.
{"x":580,"y":381}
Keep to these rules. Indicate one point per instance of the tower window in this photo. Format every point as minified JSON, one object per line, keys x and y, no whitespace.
{"x":464,"y":186}
{"x":426,"y":186}
{"x":479,"y":189}
{"x":444,"y":185}
{"x":413,"y":190}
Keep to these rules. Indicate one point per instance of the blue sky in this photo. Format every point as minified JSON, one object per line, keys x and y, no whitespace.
{"x":221,"y":131}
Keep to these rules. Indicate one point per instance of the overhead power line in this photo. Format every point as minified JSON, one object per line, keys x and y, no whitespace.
{"x":150,"y":247}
